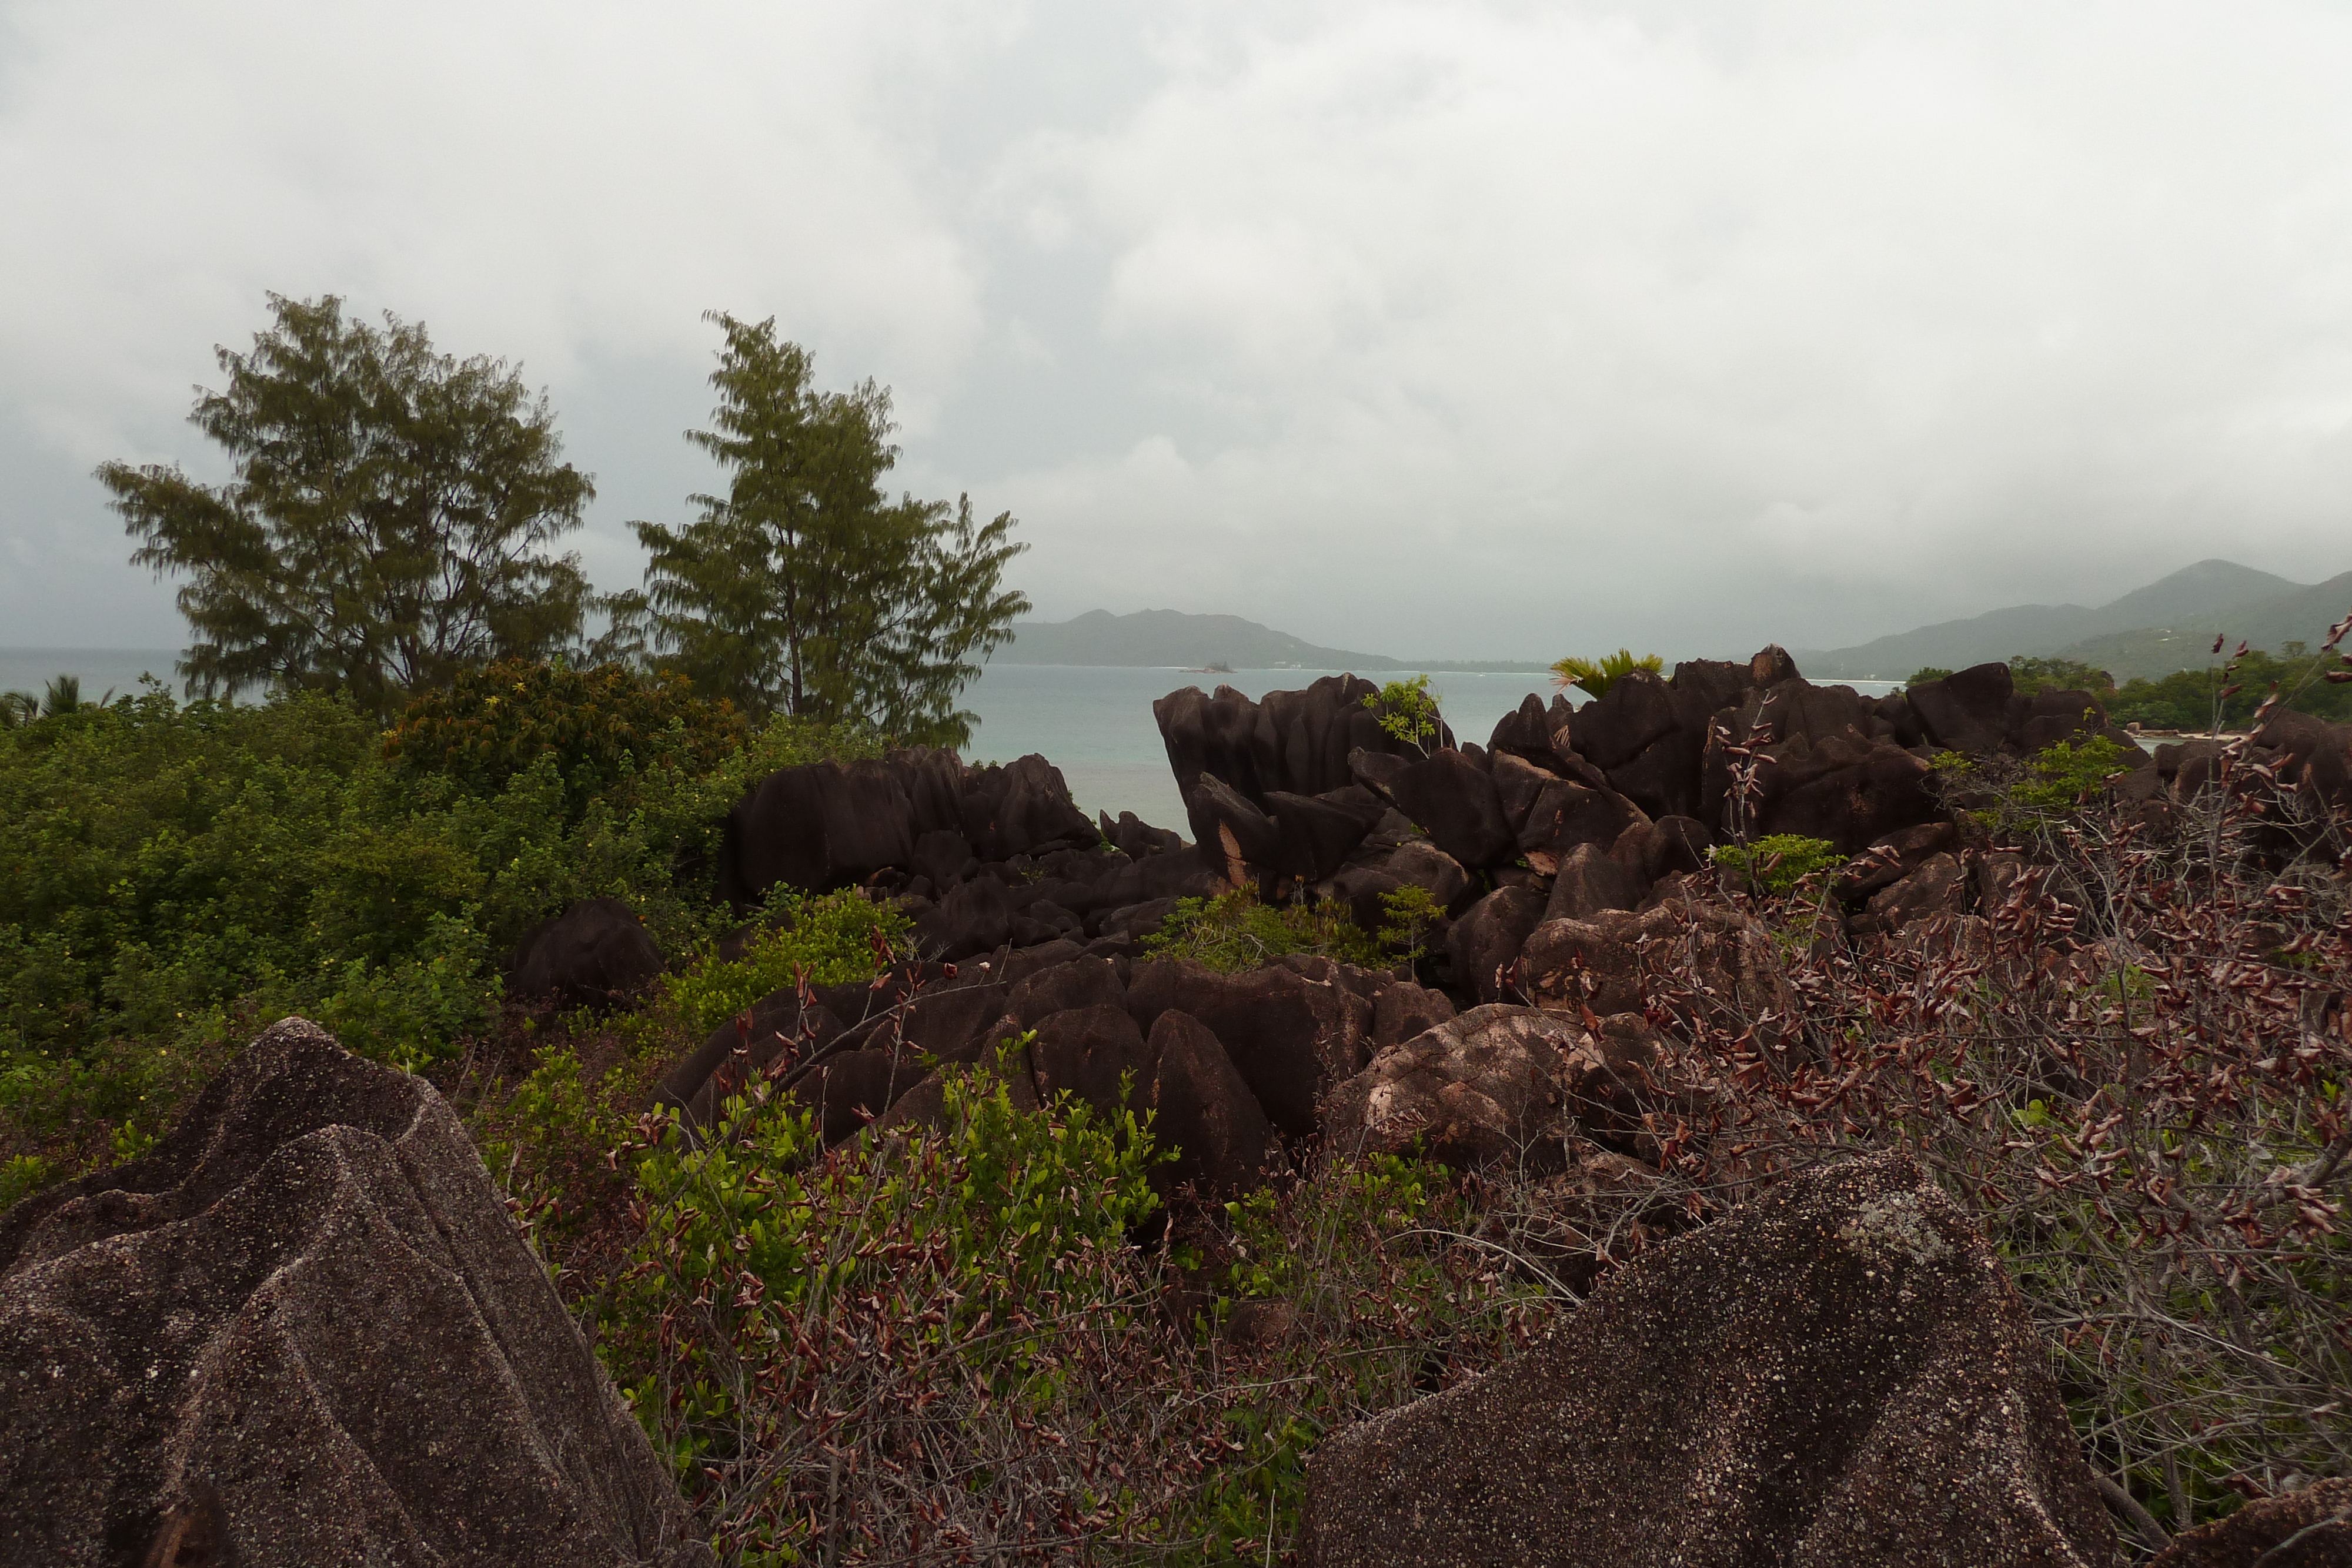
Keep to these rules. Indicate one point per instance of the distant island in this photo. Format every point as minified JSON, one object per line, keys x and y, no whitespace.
{"x":1171,"y":639}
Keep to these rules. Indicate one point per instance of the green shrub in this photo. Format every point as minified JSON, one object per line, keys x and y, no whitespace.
{"x":1409,"y":914}
{"x":1778,"y":863}
{"x":21,"y":1177}
{"x":831,"y":939}
{"x":1596,"y":676}
{"x":2066,"y":776}
{"x":1237,"y":931}
{"x":784,"y":1309}
{"x":1366,"y":1255}
{"x":2032,"y":677}
{"x":175,"y":877}
{"x":1926,"y":673}
{"x":1408,"y":710}
{"x":490,"y":724}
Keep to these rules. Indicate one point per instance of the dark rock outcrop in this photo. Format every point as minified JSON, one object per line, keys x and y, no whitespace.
{"x":1688,"y":960}
{"x":1591,"y":880}
{"x":1454,"y":800}
{"x":595,"y":953}
{"x":1297,"y":742}
{"x":1484,"y":944}
{"x":303,"y":1330}
{"x":1497,"y":1083}
{"x":1289,"y":1037}
{"x":1089,"y":1052}
{"x":1203,"y":1110}
{"x":1837,"y":1375}
{"x":824,"y":825}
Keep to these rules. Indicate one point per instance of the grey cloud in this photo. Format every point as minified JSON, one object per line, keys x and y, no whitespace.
{"x":1470,"y":329}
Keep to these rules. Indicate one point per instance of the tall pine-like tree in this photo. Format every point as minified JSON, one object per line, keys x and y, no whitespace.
{"x":805,"y":589}
{"x":388,"y":522}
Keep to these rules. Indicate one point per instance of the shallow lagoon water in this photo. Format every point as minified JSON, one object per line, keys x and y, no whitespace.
{"x":1093,"y":722}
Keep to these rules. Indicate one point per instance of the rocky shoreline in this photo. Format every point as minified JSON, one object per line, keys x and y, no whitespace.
{"x":1869,"y":1393}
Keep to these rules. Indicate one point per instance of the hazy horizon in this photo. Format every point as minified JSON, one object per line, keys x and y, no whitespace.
{"x":1469,"y":332}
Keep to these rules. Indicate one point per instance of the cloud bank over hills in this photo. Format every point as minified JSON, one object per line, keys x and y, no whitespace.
{"x":1507,"y":328}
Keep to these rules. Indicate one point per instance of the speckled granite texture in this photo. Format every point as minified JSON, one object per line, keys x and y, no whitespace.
{"x":1838,"y":1376}
{"x":304,"y":1331}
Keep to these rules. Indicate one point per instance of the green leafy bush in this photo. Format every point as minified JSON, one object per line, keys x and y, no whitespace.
{"x":783,"y":1305}
{"x":1778,"y":863}
{"x":1408,"y":710}
{"x":832,"y":939}
{"x":1926,"y":673}
{"x":2032,"y":676}
{"x":2066,"y":776}
{"x":1596,"y":676}
{"x":1238,"y":931}
{"x":1409,"y":914}
{"x":175,"y":877}
{"x":2227,"y":696}
{"x":488,"y":725}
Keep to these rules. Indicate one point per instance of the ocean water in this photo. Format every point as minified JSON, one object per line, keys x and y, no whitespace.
{"x":1092,"y":722}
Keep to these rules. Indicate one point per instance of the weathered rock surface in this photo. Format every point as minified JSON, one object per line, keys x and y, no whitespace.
{"x":2307,"y":1529}
{"x":1204,"y":1108}
{"x":1484,"y":944}
{"x":1289,"y":1037}
{"x":1691,"y":960}
{"x":1497,"y":1083}
{"x":1838,"y":1374}
{"x":304,"y":1331}
{"x":595,"y":953}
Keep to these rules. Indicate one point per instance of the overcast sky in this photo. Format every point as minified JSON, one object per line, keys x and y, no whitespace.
{"x":1440,"y":329}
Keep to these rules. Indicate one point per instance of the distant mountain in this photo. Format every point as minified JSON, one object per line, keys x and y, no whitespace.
{"x":2151,"y":631}
{"x":1171,"y":640}
{"x":2298,"y":615}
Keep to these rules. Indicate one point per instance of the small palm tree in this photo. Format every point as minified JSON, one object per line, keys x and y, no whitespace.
{"x":1596,"y":676}
{"x":18,"y":708}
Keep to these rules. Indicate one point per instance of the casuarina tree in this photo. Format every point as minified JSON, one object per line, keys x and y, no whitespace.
{"x":388,"y":523}
{"x":805,"y":589}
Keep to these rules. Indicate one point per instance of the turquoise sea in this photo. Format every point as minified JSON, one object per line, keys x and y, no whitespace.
{"x":1093,"y":722}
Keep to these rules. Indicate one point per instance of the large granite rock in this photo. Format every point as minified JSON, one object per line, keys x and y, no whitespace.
{"x":596,"y":953}
{"x":1840,"y":1375}
{"x":304,"y":1331}
{"x":1497,"y":1083}
{"x":1697,"y":962}
{"x":1289,"y":1037}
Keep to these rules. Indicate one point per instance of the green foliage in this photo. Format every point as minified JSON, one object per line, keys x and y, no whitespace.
{"x":1926,"y":673}
{"x":177,"y":877}
{"x":1359,"y":1254}
{"x":1408,"y":710}
{"x":1409,"y":913}
{"x":804,"y":590}
{"x":388,"y":524}
{"x":2031,"y":678}
{"x":1236,"y":931}
{"x":601,"y":726}
{"x":2197,"y":700}
{"x":833,"y":939}
{"x":1778,"y":863}
{"x":21,"y":1175}
{"x":998,"y":1214}
{"x":2066,"y":776}
{"x":1596,"y":676}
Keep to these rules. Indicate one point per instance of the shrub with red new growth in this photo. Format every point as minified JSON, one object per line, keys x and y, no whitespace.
{"x":944,"y":1346}
{"x":2134,"y":1065}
